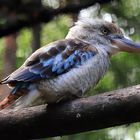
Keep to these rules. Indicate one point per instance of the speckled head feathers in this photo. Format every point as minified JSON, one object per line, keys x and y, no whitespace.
{"x":87,"y":28}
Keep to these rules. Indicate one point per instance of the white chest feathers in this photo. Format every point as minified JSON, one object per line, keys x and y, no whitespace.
{"x":77,"y":81}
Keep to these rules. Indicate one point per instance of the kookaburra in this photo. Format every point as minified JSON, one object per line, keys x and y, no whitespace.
{"x":67,"y":68}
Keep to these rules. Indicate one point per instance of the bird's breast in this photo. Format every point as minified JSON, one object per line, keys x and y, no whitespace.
{"x":76,"y":81}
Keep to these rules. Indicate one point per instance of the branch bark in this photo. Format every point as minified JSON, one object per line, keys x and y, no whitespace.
{"x":95,"y":112}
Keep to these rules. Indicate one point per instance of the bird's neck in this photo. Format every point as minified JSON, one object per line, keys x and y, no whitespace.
{"x":78,"y":32}
{"x":101,"y":48}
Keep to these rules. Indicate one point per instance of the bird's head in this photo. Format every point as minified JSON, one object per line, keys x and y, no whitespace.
{"x":107,"y":36}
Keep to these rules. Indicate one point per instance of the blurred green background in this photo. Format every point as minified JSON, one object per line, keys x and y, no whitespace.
{"x":124,"y":69}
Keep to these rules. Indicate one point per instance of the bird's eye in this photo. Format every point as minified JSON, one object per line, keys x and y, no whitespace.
{"x":104,"y":31}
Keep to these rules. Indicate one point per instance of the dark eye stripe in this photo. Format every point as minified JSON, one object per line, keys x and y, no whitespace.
{"x":105,"y":30}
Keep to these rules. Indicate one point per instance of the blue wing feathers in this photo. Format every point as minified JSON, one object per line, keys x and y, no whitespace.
{"x":48,"y":62}
{"x":55,"y":61}
{"x":36,"y":68}
{"x":70,"y":61}
{"x":60,"y":65}
{"x":73,"y":60}
{"x":47,"y":73}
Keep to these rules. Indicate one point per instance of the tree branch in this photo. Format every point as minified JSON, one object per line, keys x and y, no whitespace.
{"x":32,"y":13}
{"x":84,"y":114}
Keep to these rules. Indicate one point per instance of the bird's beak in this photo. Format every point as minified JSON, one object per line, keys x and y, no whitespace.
{"x":125,"y":44}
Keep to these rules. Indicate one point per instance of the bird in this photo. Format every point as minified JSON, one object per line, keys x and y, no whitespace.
{"x":66,"y":69}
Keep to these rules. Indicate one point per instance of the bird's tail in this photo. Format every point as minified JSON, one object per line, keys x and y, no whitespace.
{"x":16,"y":93}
